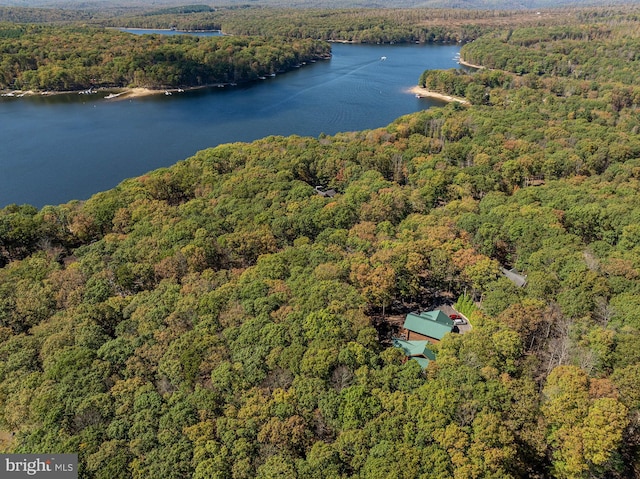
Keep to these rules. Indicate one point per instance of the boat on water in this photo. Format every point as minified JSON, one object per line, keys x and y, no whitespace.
{"x":112,"y":95}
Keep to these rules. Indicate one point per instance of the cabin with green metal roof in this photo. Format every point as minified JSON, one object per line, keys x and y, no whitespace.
{"x":416,"y":350}
{"x":427,"y":325}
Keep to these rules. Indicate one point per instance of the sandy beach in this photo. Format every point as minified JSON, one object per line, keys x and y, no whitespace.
{"x":119,"y":93}
{"x":140,"y":92}
{"x":107,"y":93}
{"x":424,"y":93}
{"x":470,"y":65}
{"x":129,"y":93}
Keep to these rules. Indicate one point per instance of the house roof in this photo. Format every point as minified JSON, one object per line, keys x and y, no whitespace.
{"x":434,"y":324}
{"x":417,"y":350}
{"x":414,"y":348}
{"x":422,"y":362}
{"x":327,"y":193}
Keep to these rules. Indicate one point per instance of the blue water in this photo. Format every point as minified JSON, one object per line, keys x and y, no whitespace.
{"x":54,"y":149}
{"x":149,"y":31}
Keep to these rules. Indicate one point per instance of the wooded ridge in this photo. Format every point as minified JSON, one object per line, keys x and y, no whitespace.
{"x":63,"y":58}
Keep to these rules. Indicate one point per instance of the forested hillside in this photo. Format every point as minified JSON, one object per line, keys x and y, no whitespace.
{"x":76,"y":58}
{"x":375,"y":25}
{"x":42,"y":15}
{"x":220,"y":319}
{"x":93,"y":5}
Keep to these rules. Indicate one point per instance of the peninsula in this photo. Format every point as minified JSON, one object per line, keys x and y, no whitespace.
{"x":102,"y":58}
{"x":422,"y":92}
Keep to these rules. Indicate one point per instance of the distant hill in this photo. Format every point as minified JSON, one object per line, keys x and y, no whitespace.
{"x":514,"y":5}
{"x":465,"y":4}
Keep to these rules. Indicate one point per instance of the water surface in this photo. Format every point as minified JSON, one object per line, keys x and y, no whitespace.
{"x":149,"y":31}
{"x":54,"y":149}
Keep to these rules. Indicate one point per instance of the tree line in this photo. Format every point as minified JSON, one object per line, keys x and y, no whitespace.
{"x":42,"y":57}
{"x":606,"y":50}
{"x":372,"y":25}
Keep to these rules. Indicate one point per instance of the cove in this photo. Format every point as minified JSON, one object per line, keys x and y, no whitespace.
{"x":54,"y":149}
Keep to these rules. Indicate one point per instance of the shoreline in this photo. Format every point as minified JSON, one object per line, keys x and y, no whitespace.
{"x":120,"y":93}
{"x":421,"y":92}
{"x":470,"y":65}
{"x":112,"y":93}
{"x":115,"y":93}
{"x":141,"y":92}
{"x":178,"y":31}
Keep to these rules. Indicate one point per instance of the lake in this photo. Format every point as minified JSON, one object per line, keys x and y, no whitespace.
{"x":58,"y":148}
{"x":148,"y":31}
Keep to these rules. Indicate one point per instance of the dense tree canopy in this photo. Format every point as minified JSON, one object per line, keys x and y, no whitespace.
{"x":219,"y":318}
{"x":368,"y":25}
{"x":72,"y":58}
